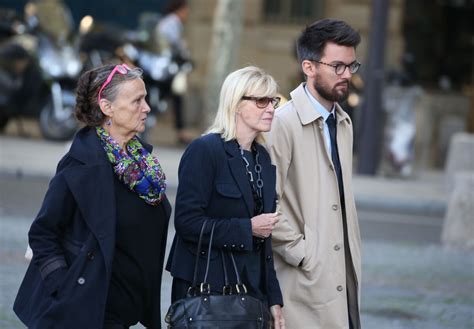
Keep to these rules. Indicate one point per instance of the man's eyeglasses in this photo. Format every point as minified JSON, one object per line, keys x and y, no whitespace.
{"x":341,"y":67}
{"x":120,"y":68}
{"x":262,"y":102}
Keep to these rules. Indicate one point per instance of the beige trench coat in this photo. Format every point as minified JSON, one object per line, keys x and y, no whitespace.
{"x":311,"y":225}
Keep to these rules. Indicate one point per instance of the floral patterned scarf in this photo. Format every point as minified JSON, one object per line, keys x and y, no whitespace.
{"x":137,"y":168}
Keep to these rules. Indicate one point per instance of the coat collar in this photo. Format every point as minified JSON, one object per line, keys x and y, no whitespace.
{"x":237,"y":169}
{"x":87,"y":149}
{"x":305,"y":108}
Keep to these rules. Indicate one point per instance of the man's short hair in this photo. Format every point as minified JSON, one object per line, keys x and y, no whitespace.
{"x":313,"y":38}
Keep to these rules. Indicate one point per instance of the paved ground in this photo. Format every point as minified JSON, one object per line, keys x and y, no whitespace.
{"x":416,"y":286}
{"x":409,"y":281}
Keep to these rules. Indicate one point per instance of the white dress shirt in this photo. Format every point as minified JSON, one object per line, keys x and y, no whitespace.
{"x":325,"y":114}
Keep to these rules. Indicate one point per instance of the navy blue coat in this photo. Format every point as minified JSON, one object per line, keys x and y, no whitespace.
{"x":213,"y":185}
{"x":73,"y":242}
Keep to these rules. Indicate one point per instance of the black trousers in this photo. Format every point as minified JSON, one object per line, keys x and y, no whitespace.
{"x":178,"y":111}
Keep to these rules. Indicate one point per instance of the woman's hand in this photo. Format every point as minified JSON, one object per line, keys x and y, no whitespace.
{"x":262,"y":225}
{"x":278,"y":320}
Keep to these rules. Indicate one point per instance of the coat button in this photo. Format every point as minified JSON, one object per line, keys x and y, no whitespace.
{"x":242,"y":246}
{"x":225,"y":246}
{"x":269,"y":257}
{"x":337,"y":247}
{"x":203,"y":252}
{"x":81,"y":281}
{"x":262,"y":241}
{"x":233,"y":246}
{"x":90,"y":255}
{"x":339,"y":288}
{"x":335,"y":207}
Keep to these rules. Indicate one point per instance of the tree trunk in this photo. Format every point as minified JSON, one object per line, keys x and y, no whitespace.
{"x":223,"y":53}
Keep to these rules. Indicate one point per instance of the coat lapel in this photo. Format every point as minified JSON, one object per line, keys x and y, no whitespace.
{"x":303,"y":106}
{"x":93,"y":188}
{"x":269,"y":180}
{"x":343,"y":126}
{"x":237,"y":169}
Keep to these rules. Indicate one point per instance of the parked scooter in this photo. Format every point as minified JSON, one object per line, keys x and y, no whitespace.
{"x":37,"y":79}
{"x":61,"y":67}
{"x":98,"y":44}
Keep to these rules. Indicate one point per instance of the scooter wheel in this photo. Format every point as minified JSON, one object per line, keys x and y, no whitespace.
{"x":56,"y":129}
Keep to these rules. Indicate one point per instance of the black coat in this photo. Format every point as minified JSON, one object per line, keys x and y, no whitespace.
{"x":213,"y":185}
{"x":73,"y":242}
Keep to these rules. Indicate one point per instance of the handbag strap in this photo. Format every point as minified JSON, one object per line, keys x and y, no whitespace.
{"x":205,"y":288}
{"x":239,"y":281}
{"x":197,"y":256}
{"x":227,"y":289}
{"x":209,"y":252}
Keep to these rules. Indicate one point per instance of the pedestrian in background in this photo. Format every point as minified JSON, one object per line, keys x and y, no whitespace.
{"x":99,"y":238}
{"x":171,"y":27}
{"x":226,"y":177}
{"x":317,"y":242}
{"x":170,"y":30}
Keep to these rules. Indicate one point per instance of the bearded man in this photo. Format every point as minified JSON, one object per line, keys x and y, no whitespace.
{"x":317,"y":243}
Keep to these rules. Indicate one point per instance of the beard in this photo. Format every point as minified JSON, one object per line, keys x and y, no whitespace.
{"x":331,"y":94}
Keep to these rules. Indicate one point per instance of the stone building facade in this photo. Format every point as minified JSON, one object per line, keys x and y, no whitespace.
{"x":270,"y":28}
{"x":268,"y":40}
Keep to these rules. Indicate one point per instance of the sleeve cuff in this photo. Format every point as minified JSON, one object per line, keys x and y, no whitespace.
{"x":297,"y":254}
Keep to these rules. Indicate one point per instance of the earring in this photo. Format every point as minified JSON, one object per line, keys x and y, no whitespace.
{"x":108,"y":122}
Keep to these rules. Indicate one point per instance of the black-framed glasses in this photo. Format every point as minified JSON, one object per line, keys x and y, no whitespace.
{"x":262,"y":102}
{"x":340,"y":68}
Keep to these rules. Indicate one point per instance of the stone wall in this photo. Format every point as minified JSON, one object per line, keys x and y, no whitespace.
{"x":458,"y":226}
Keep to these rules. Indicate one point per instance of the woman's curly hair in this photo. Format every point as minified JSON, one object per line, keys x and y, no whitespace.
{"x":87,"y":108}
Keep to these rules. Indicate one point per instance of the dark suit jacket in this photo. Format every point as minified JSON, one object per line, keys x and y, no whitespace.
{"x":213,"y":185}
{"x":73,"y":242}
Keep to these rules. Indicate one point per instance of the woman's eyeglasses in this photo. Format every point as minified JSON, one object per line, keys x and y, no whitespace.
{"x":262,"y":102}
{"x":120,"y":68}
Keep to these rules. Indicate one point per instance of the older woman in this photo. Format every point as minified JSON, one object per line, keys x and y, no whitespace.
{"x":99,"y":239}
{"x":226,"y":178}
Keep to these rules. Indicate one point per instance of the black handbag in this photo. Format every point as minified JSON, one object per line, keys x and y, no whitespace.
{"x":231,"y":310}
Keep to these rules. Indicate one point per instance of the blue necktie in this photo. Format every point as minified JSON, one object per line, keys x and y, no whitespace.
{"x":331,"y":122}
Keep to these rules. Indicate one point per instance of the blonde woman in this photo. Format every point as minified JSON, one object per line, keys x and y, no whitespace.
{"x":226,"y":178}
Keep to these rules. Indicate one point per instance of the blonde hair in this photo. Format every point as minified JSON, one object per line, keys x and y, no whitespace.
{"x":247,"y":81}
